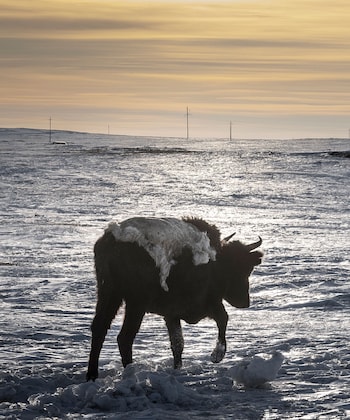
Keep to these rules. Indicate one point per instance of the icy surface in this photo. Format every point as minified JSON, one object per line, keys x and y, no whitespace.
{"x":164,"y":239}
{"x":57,"y":199}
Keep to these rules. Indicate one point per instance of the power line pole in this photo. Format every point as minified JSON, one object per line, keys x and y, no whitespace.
{"x":230,"y":130}
{"x":50,"y":131}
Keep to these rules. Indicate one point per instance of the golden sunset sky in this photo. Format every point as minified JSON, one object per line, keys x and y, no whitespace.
{"x":275,"y":68}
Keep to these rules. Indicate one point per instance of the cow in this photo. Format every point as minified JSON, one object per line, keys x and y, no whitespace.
{"x":199,"y":271}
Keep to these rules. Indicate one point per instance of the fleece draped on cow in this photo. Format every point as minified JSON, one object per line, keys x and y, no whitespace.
{"x":164,"y":239}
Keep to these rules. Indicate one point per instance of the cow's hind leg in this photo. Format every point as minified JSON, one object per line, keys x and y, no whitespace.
{"x":176,"y":340}
{"x":131,"y":325}
{"x":106,"y":308}
{"x":220,"y":316}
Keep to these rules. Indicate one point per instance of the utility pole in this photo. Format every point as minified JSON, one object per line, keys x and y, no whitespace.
{"x":230,"y":130}
{"x":50,"y":119}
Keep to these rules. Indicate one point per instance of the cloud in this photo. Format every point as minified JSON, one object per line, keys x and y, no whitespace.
{"x":56,"y":27}
{"x":153,"y":58}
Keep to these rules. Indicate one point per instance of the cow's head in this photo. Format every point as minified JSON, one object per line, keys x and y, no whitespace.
{"x":238,"y":262}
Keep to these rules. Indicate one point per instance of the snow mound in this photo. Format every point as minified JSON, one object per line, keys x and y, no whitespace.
{"x":137,"y":390}
{"x":257,"y":371}
{"x":164,"y":239}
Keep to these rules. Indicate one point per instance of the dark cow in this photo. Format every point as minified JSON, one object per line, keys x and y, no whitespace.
{"x":126,"y":272}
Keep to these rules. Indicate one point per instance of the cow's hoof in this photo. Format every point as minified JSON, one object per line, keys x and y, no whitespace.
{"x":218,"y":353}
{"x":178,"y":365}
{"x":91,"y":376}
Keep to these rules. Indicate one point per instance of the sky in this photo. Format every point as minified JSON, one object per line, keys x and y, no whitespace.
{"x":273,"y":68}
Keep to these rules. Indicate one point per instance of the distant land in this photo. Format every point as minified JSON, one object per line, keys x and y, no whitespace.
{"x":46,"y":131}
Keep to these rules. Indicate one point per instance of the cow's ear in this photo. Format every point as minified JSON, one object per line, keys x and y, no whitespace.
{"x":256,"y":257}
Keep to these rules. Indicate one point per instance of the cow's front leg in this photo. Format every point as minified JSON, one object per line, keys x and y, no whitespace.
{"x":176,"y":340}
{"x":220,"y":316}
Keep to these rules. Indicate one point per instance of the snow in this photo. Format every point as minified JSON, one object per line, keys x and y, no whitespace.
{"x":55,"y":203}
{"x":257,"y":371}
{"x":164,"y":239}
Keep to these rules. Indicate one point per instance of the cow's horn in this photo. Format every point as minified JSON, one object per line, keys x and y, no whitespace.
{"x":229,"y":237}
{"x":254,"y":245}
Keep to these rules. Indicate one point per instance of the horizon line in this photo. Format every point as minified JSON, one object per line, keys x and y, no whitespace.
{"x":47,"y":130}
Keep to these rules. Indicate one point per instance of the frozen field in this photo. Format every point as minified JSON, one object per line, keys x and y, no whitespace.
{"x":57,"y":199}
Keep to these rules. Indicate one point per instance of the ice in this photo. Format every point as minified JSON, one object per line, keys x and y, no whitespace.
{"x":164,"y":239}
{"x":257,"y":371}
{"x":56,"y":201}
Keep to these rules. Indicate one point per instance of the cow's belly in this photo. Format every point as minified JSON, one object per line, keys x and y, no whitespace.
{"x":187,"y":311}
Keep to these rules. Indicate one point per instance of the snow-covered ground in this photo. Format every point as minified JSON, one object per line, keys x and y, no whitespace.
{"x":57,"y":199}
